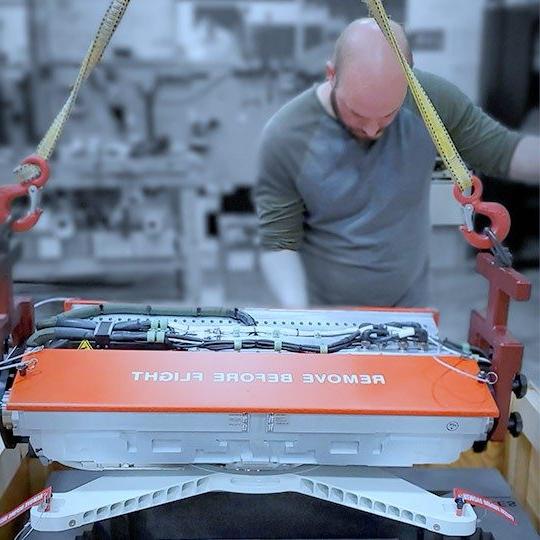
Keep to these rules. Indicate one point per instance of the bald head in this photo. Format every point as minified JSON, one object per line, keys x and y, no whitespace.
{"x":367,"y":80}
{"x":362,"y":42}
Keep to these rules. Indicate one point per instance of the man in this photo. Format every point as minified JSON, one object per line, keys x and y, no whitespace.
{"x":344,"y":177}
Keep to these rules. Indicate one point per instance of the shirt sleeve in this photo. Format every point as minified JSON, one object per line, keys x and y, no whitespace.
{"x":485,"y":144}
{"x":279,"y":206}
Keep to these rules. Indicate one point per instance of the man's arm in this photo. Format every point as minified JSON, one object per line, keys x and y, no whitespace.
{"x":485,"y":144}
{"x":286,"y":277}
{"x":280,"y":210}
{"x":525,"y":164}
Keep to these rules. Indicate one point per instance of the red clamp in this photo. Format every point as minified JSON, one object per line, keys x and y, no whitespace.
{"x":26,"y":188}
{"x":472,"y":204}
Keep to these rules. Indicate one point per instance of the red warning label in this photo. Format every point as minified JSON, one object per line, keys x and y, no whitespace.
{"x":41,"y":497}
{"x":484,"y":502}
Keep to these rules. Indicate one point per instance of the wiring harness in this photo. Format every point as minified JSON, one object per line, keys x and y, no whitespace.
{"x":160,"y":328}
{"x":69,"y":329}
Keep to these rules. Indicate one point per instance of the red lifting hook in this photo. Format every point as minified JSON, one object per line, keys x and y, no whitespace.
{"x":26,"y":188}
{"x":497,"y":213}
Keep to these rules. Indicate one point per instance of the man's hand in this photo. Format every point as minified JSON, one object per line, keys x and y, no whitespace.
{"x":525,"y":164}
{"x":286,"y":277}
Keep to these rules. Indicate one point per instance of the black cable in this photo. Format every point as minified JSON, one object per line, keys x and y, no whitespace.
{"x":69,"y":332}
{"x":78,"y":323}
{"x":60,"y":344}
{"x":459,"y":349}
{"x":134,"y":326}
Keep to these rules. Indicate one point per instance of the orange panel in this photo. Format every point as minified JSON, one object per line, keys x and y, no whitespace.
{"x":71,"y":303}
{"x":171,"y":381}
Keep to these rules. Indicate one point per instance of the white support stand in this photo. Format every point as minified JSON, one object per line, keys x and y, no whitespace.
{"x":364,"y":488}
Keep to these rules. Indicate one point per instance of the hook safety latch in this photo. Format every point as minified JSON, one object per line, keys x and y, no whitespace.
{"x":495,"y":212}
{"x":26,"y":188}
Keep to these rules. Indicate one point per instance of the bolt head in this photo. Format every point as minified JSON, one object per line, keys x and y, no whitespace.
{"x":515,"y":424}
{"x":520,"y":385}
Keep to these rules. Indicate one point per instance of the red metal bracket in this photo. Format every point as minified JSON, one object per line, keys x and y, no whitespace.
{"x":16,"y":315}
{"x":489,"y":331}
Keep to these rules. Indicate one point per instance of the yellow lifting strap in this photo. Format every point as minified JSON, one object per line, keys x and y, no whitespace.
{"x":439,"y":134}
{"x":105,"y":32}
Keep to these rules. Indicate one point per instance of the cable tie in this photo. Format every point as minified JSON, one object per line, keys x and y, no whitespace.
{"x":323,"y":348}
{"x":163,"y":323}
{"x":237,"y":344}
{"x":151,"y":336}
{"x":160,"y":336}
{"x":278,"y":343}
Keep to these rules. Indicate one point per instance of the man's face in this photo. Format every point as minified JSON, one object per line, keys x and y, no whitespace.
{"x":364,"y":119}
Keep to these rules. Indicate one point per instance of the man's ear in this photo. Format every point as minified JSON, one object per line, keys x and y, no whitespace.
{"x":330,"y":72}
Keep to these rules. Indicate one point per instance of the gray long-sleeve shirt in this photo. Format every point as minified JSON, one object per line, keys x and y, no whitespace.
{"x":359,"y":213}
